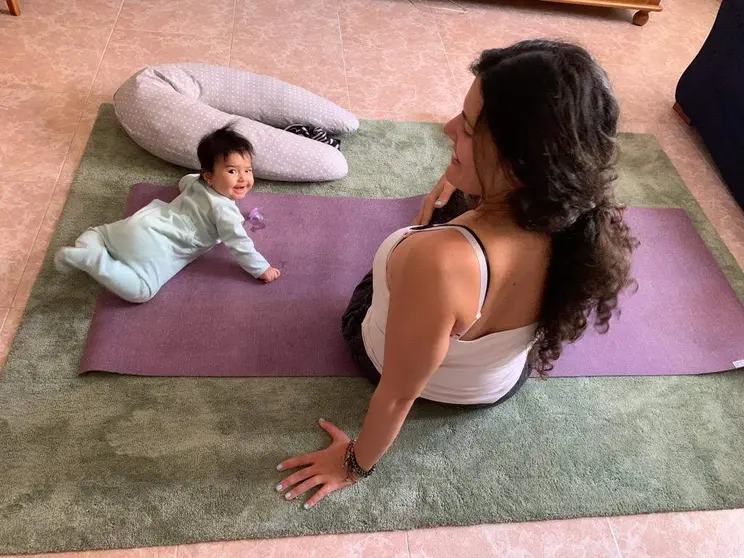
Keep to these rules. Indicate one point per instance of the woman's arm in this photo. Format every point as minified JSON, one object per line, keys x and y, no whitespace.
{"x":420,"y":321}
{"x":428,"y":278}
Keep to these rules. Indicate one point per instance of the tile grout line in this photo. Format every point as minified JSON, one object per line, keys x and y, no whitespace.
{"x":446,"y":55}
{"x":90,"y":89}
{"x":343,"y":55}
{"x":703,"y":153}
{"x":232,"y":33}
{"x":67,"y":154}
{"x":704,"y":156}
{"x":614,"y":538}
{"x":700,"y":150}
{"x":2,"y":324}
{"x":169,"y":33}
{"x":4,"y":357}
{"x":408,"y":544}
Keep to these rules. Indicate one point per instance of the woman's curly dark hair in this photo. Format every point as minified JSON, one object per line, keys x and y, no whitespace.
{"x":552,"y":116}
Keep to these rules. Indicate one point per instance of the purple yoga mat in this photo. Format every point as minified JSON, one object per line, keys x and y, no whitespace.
{"x":212,"y":319}
{"x":684,"y":319}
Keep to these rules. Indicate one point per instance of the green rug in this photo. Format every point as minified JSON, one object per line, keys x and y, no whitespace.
{"x":109,"y":461}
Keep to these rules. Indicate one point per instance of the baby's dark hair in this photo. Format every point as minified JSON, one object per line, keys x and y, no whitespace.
{"x":220,"y":144}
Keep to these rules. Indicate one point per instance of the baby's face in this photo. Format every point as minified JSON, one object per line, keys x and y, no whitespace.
{"x":232,"y":176}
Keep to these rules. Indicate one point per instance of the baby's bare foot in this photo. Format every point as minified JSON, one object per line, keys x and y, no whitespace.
{"x":270,"y":275}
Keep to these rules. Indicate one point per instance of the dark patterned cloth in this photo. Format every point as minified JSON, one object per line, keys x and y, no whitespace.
{"x":314,"y":133}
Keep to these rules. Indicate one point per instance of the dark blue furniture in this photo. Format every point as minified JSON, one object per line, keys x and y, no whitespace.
{"x":710,"y":94}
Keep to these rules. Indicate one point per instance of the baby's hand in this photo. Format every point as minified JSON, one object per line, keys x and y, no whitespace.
{"x":270,"y":275}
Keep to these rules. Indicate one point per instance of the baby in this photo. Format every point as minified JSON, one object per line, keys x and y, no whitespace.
{"x":136,"y":256}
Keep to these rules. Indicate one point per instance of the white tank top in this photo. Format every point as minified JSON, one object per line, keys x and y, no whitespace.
{"x":479,"y":371}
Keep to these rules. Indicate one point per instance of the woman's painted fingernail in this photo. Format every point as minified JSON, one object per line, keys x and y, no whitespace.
{"x":306,"y":506}
{"x":288,"y":496}
{"x":438,"y":203}
{"x":321,"y":420}
{"x":279,"y":467}
{"x":278,"y":487}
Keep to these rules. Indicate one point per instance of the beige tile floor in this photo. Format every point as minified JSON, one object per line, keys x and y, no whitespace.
{"x":396,"y":59}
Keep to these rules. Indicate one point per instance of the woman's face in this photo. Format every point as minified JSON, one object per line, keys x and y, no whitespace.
{"x":461,"y":172}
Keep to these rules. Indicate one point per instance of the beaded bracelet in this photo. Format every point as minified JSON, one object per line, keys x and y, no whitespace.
{"x":353,"y":471}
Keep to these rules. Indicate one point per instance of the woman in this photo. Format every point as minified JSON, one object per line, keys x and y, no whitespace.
{"x":462,"y":313}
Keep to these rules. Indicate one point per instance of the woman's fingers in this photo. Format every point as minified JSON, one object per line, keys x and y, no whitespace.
{"x":336,"y":433}
{"x":299,"y":461}
{"x":304,"y":487}
{"x":438,"y":197}
{"x":325,"y":490}
{"x":444,"y":196}
{"x":419,"y":218}
{"x":293,"y":479}
{"x":427,"y":210}
{"x":428,"y":206}
{"x":319,"y":468}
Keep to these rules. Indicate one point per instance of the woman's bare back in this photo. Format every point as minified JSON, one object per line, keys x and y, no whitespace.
{"x":519,"y":263}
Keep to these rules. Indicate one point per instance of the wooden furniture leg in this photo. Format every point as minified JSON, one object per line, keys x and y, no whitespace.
{"x":678,"y":109}
{"x":13,"y":7}
{"x":644,"y":7}
{"x":640,"y":18}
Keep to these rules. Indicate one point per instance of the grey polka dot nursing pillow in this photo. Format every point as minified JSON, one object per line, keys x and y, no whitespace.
{"x":167,"y":109}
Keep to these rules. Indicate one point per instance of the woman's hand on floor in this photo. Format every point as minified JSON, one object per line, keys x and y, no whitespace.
{"x":438,"y":197}
{"x":324,"y":469}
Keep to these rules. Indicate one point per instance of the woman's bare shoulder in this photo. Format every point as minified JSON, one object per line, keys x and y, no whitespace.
{"x":443,"y":255}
